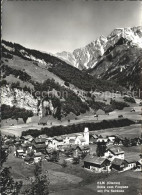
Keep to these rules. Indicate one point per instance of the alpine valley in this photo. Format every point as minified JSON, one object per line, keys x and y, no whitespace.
{"x":110,"y":63}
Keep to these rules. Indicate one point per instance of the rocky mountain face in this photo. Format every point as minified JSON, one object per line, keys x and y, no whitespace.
{"x":18,"y":98}
{"x":88,"y":56}
{"x":122,"y":61}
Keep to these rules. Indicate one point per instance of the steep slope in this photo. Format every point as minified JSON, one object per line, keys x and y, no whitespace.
{"x":26,"y":72}
{"x":121,"y":63}
{"x":88,"y":56}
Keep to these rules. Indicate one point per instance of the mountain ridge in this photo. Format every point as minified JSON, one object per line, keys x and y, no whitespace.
{"x":88,"y":56}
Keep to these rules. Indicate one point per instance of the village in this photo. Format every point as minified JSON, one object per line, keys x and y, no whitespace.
{"x":93,"y":152}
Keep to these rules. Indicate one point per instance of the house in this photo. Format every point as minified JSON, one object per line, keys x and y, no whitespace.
{"x":57,"y":141}
{"x":97,"y":164}
{"x":43,"y":136}
{"x":39,"y":141}
{"x":29,"y":160}
{"x":101,"y":139}
{"x":111,"y":138}
{"x":27,"y":138}
{"x":37,"y":157}
{"x":83,"y":149}
{"x":118,"y":140}
{"x":19,"y":153}
{"x":40,"y":148}
{"x":114,"y":152}
{"x":93,"y":139}
{"x":119,"y":164}
{"x":49,"y":151}
{"x":72,"y":140}
{"x":139,"y":165}
{"x":33,"y":119}
{"x":132,"y":160}
{"x":66,"y":140}
{"x":80,"y":140}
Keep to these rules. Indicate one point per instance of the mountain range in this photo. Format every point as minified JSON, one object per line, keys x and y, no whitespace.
{"x":88,"y":56}
{"x":117,"y":57}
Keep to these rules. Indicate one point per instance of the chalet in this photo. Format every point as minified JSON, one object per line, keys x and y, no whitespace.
{"x":101,"y":139}
{"x":80,"y":140}
{"x":114,"y":152}
{"x":83,"y":149}
{"x":132,"y":160}
{"x":66,"y":140}
{"x":27,"y":138}
{"x":39,"y":141}
{"x":39,"y":148}
{"x":37,"y":157}
{"x":49,"y":151}
{"x":111,"y":138}
{"x":139,"y":165}
{"x":72,"y":141}
{"x":118,"y":140}
{"x":97,"y":164}
{"x":19,"y":153}
{"x":29,"y":160}
{"x":119,"y":164}
{"x":93,"y":139}
{"x":5,"y":147}
{"x":43,"y":136}
{"x":58,"y":140}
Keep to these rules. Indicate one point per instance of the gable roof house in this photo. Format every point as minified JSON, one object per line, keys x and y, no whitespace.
{"x":39,"y":141}
{"x":132,"y":160}
{"x":139,"y":165}
{"x":27,"y":138}
{"x":97,"y":164}
{"x":114,"y":152}
{"x":119,"y":164}
{"x":80,"y":140}
{"x":40,"y":148}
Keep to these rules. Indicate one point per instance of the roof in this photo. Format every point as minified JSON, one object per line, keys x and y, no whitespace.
{"x":117,"y":161}
{"x":81,"y":138}
{"x":39,"y":146}
{"x":37,"y":154}
{"x":102,"y":140}
{"x":72,"y":141}
{"x":5,"y":147}
{"x":94,"y":136}
{"x":83,"y":147}
{"x":27,"y":137}
{"x":116,"y":150}
{"x":40,"y":140}
{"x":19,"y":151}
{"x":95,"y":159}
{"x":28,"y":158}
{"x":43,"y":136}
{"x":140,"y":161}
{"x":132,"y":157}
{"x":58,"y":138}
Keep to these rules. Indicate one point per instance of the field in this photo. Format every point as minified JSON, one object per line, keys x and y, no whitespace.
{"x":88,"y":117}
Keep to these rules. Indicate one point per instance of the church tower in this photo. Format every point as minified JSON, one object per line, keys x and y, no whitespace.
{"x":86,"y":135}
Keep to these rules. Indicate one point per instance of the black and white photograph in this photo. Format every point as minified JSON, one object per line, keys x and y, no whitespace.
{"x":71,"y":97}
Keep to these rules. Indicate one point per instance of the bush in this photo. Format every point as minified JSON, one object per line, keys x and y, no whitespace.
{"x":129,"y":99}
{"x":61,"y":130}
{"x":15,"y":113}
{"x":118,"y":105}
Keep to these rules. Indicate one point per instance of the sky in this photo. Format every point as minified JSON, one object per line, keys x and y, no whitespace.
{"x":64,"y":25}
